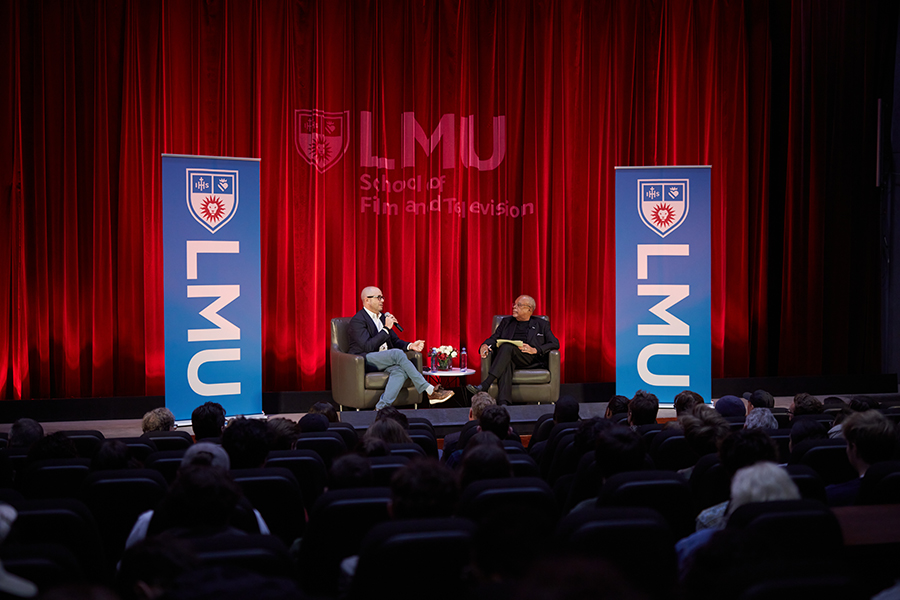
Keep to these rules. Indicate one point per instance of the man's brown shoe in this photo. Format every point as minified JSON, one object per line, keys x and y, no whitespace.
{"x":439,"y":395}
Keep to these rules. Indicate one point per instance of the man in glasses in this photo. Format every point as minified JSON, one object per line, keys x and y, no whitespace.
{"x":536,"y":342}
{"x":372,"y":335}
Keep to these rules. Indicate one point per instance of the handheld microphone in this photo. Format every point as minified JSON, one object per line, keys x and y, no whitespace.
{"x":397,"y":325}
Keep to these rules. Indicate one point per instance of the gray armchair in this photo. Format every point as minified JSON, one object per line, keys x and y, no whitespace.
{"x":529,"y":385}
{"x":351,"y":386}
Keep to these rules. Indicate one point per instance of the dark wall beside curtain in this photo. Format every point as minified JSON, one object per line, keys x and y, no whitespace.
{"x":491,"y":128}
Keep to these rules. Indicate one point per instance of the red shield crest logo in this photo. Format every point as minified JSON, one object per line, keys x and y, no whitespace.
{"x":320,"y":137}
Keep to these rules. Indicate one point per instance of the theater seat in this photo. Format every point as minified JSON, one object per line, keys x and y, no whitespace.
{"x":663,"y":491}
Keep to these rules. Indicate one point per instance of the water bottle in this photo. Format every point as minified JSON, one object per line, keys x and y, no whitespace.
{"x":434,"y":360}
{"x":463,"y":360}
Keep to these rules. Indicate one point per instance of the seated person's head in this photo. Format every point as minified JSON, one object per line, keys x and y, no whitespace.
{"x":151,"y":567}
{"x":619,"y":449}
{"x":389,"y":412}
{"x":480,"y":401}
{"x":113,"y":455}
{"x":730,"y":406}
{"x":746,"y":447}
{"x":202,"y":500}
{"x":587,"y":432}
{"x":617,"y":405}
{"x":206,"y":454}
{"x":373,"y":446}
{"x":55,"y":445}
{"x":565,"y":410}
{"x":424,"y":488}
{"x":686,"y":401}
{"x":704,"y":429}
{"x":871,"y":438}
{"x":327,"y":409}
{"x":806,"y":404}
{"x":158,"y":419}
{"x":761,"y":418}
{"x":387,"y":430}
{"x":208,"y":420}
{"x":281,"y":433}
{"x":643,"y":408}
{"x":350,"y":471}
{"x":311,"y":423}
{"x":806,"y":429}
{"x":496,"y":420}
{"x":760,"y":399}
{"x":761,"y":482}
{"x":483,"y":461}
{"x":863,"y":403}
{"x":245,"y":441}
{"x":24,"y":433}
{"x":484,"y":438}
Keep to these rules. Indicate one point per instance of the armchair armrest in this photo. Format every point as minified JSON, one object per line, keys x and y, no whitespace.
{"x":348,"y":375}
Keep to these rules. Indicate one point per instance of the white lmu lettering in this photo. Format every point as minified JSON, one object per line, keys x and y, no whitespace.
{"x":673,"y":326}
{"x":224,"y":330}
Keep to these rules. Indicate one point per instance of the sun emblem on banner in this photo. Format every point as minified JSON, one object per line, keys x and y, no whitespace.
{"x":663,"y":215}
{"x":318,"y":149}
{"x":212,"y":196}
{"x":663,"y":204}
{"x":320,"y":137}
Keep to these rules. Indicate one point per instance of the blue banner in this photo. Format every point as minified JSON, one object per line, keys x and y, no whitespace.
{"x":213,"y":302}
{"x":663,"y":291}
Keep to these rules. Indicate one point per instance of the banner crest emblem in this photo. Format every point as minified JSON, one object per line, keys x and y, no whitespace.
{"x":320,"y":137}
{"x":663,"y":204}
{"x":212,"y":197}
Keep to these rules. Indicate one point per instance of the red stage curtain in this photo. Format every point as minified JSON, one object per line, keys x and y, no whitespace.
{"x":778,"y":100}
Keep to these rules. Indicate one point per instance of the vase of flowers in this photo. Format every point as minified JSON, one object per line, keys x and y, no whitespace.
{"x":445,"y":356}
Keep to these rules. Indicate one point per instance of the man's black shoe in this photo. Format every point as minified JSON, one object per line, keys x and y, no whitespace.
{"x":474,"y":389}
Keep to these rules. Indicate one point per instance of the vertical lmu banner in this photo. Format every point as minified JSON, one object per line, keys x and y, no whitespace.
{"x":213,"y":303}
{"x":663,"y":292}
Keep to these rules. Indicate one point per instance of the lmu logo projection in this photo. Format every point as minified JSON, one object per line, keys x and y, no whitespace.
{"x":322,"y":138}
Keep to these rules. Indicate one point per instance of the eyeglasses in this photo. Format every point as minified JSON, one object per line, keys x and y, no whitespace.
{"x":378,"y":297}
{"x":518,"y":305}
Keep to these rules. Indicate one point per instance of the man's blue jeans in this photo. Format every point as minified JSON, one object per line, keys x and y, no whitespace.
{"x":399,"y":368}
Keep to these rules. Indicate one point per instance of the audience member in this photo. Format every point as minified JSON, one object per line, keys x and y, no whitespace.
{"x":686,"y":401}
{"x":642,"y":409}
{"x":871,"y":438}
{"x":805,"y":429}
{"x":739,"y":449}
{"x":350,"y":471}
{"x":422,"y":489}
{"x":55,"y":445}
{"x":149,"y":568}
{"x":395,"y":414}
{"x":480,"y":401}
{"x":863,"y":403}
{"x":484,"y":461}
{"x":245,"y":441}
{"x":588,"y":431}
{"x":496,"y":420}
{"x":761,"y":482}
{"x":730,"y":406}
{"x":112,"y":455}
{"x":208,"y":421}
{"x":564,"y":411}
{"x":761,"y":418}
{"x":281,"y":433}
{"x":202,"y":455}
{"x":200,"y":503}
{"x":704,"y":429}
{"x":327,"y":409}
{"x":158,"y":419}
{"x":618,"y":449}
{"x":312,"y":423}
{"x":759,"y":399}
{"x":12,"y":586}
{"x":617,"y":405}
{"x":24,"y":432}
{"x":805,"y":404}
{"x":387,"y":430}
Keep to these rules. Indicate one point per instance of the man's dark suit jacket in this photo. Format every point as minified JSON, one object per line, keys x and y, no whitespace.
{"x":539,"y":335}
{"x":364,"y":336}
